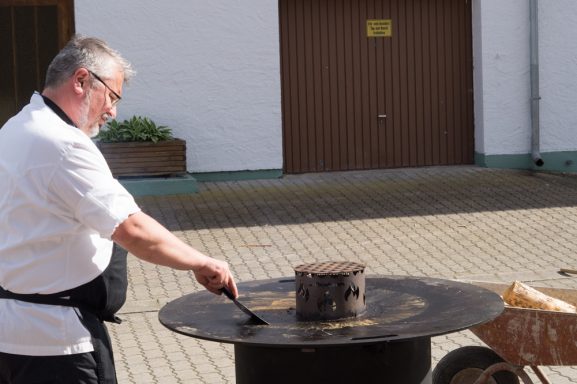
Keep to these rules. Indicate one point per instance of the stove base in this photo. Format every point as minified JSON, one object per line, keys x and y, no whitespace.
{"x":398,"y":362}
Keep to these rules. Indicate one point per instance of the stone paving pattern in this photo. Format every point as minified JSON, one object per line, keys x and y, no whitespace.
{"x":459,"y":222}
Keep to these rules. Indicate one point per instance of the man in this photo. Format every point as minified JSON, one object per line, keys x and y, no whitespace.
{"x":60,"y":212}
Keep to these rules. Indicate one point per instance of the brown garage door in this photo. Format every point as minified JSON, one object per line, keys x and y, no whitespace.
{"x":376,"y":84}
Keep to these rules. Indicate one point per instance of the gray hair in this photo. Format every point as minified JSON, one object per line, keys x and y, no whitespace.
{"x":90,"y":53}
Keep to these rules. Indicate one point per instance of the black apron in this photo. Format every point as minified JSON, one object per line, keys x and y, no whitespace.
{"x":97,"y":301}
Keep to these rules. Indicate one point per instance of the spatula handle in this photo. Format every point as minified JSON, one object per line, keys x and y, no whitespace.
{"x":227,"y":293}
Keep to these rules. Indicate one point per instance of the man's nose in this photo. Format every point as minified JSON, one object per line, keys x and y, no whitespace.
{"x":112,"y":112}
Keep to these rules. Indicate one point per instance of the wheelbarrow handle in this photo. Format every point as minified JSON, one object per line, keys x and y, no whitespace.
{"x":568,"y":271}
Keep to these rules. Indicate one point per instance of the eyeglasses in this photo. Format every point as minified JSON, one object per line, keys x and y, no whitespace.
{"x":113,"y":100}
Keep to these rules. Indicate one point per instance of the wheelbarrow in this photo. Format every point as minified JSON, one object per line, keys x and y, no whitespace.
{"x":516,"y":339}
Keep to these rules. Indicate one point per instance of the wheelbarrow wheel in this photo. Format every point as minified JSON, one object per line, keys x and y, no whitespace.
{"x":466,"y":364}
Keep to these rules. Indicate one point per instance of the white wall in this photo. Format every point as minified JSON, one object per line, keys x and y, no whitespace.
{"x":502,"y":76}
{"x":558,"y":59}
{"x":501,"y":70}
{"x":208,"y":69}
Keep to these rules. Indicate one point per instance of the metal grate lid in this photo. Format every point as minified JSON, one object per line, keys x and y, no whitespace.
{"x":330,"y":268}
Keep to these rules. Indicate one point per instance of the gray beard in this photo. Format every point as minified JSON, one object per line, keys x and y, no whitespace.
{"x":83,"y":124}
{"x":93,"y":131}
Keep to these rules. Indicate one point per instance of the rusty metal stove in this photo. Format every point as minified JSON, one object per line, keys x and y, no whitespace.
{"x":387,"y":341}
{"x":330,"y":291}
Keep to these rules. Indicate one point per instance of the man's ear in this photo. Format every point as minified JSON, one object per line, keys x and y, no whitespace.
{"x":80,"y":80}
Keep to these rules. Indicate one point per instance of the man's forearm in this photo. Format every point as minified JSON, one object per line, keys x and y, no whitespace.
{"x":147,"y":239}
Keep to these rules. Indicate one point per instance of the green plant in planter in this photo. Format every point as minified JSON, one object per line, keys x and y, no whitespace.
{"x":139,"y":147}
{"x":136,"y":128}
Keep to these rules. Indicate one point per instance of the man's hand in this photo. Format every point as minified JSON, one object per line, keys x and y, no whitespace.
{"x":214,"y":275}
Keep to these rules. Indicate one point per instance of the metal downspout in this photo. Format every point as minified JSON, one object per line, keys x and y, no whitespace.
{"x":534,"y":39}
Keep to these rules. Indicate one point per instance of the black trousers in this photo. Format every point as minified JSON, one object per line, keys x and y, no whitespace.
{"x":95,"y":367}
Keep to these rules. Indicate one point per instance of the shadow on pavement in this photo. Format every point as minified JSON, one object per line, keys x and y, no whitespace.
{"x":298,"y":199}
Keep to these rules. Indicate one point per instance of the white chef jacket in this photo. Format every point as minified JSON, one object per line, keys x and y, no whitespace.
{"x":59,"y":206}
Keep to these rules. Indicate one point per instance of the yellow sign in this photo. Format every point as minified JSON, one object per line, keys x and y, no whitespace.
{"x":379,"y":28}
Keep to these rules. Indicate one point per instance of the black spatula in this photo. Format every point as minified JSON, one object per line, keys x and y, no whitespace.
{"x":253,"y":316}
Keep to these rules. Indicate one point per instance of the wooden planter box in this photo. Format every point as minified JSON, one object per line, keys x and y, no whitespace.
{"x":145,"y":158}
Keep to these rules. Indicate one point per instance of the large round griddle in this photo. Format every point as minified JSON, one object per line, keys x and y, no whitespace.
{"x":398,"y":308}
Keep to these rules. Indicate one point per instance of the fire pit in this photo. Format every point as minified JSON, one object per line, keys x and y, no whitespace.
{"x":384,"y":339}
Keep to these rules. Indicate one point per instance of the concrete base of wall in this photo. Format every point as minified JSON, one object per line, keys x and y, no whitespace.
{"x":175,"y":185}
{"x":553,"y":161}
{"x":239,"y":175}
{"x":157,"y":186}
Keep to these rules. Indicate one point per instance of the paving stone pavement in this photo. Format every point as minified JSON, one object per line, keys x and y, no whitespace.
{"x":463,"y":222}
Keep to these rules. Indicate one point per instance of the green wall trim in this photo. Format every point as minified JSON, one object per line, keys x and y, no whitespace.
{"x":158,"y":186}
{"x":238,"y":175}
{"x":565,"y":161}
